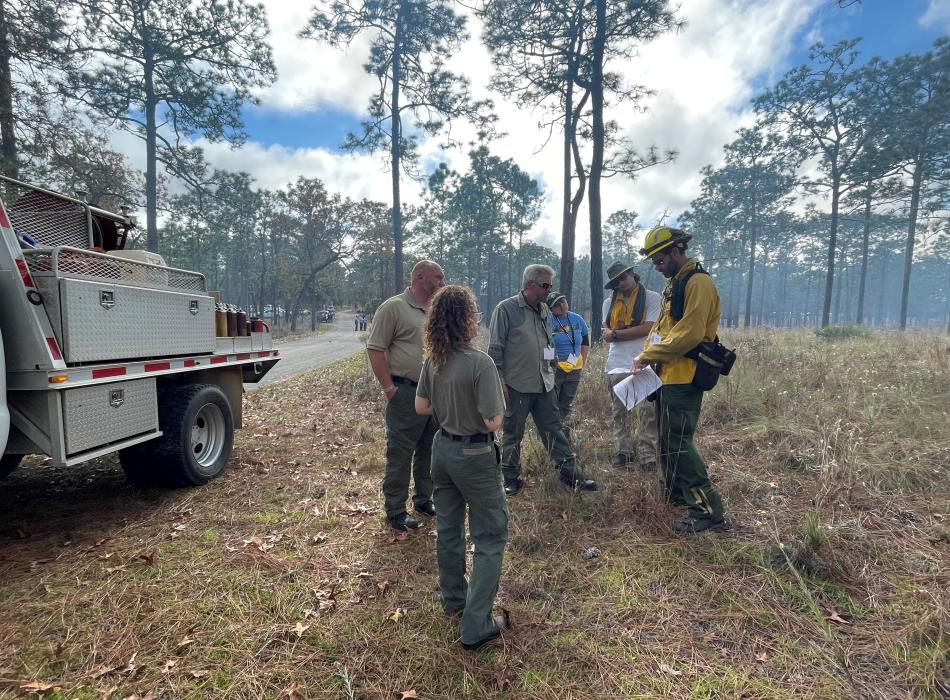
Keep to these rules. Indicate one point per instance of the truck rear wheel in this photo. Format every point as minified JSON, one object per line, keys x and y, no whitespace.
{"x":198,"y":429}
{"x":8,"y":463}
{"x":198,"y":433}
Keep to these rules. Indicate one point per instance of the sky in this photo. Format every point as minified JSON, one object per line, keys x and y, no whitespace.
{"x":703,"y":79}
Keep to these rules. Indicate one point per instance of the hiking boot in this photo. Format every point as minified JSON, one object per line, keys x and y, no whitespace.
{"x":690,"y":526}
{"x":502,"y":623}
{"x":427,"y":508}
{"x":402,"y":522}
{"x":576,"y":481}
{"x":513,"y":486}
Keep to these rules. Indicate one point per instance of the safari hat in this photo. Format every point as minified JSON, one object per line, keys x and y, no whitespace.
{"x":616,"y":270}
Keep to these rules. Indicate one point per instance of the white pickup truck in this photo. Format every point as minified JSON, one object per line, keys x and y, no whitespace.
{"x":109,"y":350}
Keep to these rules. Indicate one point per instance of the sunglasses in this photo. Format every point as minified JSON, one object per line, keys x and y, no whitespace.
{"x":544,"y":285}
{"x":658,"y":259}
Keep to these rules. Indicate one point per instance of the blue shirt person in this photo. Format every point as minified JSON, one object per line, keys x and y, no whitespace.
{"x":571,"y":345}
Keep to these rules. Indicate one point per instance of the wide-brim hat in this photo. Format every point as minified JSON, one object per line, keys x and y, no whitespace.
{"x":615,"y":272}
{"x":554,"y":298}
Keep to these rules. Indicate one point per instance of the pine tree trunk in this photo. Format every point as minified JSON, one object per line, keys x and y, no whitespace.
{"x":596,"y":167}
{"x":832,"y":243}
{"x":566,"y":281}
{"x":395,"y":153}
{"x":151,"y":161}
{"x":865,"y":243}
{"x":911,"y":235}
{"x":754,"y":237}
{"x":8,"y":151}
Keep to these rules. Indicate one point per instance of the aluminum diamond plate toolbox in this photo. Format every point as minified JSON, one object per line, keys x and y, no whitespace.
{"x":103,"y":321}
{"x":105,"y":413}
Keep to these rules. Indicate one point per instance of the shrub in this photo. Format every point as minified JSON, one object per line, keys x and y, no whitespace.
{"x":849,"y":331}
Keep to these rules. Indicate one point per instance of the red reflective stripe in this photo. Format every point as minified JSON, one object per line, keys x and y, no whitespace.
{"x":4,"y":221}
{"x":218,"y":359}
{"x":110,"y":372}
{"x":263,"y":354}
{"x":190,"y":363}
{"x":244,"y":356}
{"x":156,"y":366}
{"x":24,"y":273}
{"x":54,"y":348}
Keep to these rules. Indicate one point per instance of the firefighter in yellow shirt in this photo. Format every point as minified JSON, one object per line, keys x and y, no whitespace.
{"x":689,"y":315}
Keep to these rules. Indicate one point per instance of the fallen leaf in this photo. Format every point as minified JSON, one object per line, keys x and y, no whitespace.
{"x":169,"y":665}
{"x":670,"y":670}
{"x":198,"y":674}
{"x":149,"y":558}
{"x":40,"y":687}
{"x":406,"y":694}
{"x":300,"y":628}
{"x":185,"y":641}
{"x":382,"y":586}
{"x":835,"y":617}
{"x":763,"y":656}
{"x":397,"y":614}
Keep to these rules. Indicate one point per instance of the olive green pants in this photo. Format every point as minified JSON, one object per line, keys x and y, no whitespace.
{"x":408,"y":451}
{"x":566,"y":385}
{"x":543,"y":408}
{"x":684,"y":470}
{"x":468,"y":474}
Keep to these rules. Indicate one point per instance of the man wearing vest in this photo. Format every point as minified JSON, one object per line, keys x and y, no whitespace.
{"x":689,"y":315}
{"x":628,"y":316}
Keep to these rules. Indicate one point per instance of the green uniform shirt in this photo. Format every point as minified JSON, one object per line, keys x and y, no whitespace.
{"x":518,"y":336}
{"x":464,"y":393}
{"x":398,"y":331}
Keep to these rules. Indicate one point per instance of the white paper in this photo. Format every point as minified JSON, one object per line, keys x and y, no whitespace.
{"x":635,"y":388}
{"x":548,"y":353}
{"x":655,"y":338}
{"x":572,"y":358}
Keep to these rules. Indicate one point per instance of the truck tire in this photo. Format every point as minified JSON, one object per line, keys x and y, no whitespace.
{"x":198,"y":428}
{"x":8,"y":463}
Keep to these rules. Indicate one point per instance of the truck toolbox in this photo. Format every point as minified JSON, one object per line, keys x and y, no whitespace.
{"x":104,"y":413}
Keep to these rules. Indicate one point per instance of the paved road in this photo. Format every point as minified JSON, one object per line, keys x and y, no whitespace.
{"x":299,"y":356}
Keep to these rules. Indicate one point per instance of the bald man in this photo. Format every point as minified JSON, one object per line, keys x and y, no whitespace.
{"x":395,"y":355}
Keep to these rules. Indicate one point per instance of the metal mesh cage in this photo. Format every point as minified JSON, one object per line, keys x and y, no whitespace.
{"x":85,"y":264}
{"x":48,"y":219}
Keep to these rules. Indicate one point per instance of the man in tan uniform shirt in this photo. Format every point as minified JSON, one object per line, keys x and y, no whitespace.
{"x":395,"y":355}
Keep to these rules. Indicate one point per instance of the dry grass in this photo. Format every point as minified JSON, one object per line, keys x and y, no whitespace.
{"x":281,"y":579}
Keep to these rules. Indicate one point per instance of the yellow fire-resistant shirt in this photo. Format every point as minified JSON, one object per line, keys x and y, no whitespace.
{"x":700,"y":322}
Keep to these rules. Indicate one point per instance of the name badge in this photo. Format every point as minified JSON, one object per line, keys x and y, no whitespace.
{"x":548,"y":353}
{"x":572,"y":358}
{"x":655,"y":338}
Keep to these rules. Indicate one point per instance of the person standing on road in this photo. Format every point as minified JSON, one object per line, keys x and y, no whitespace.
{"x":689,"y":316}
{"x":571,"y":345}
{"x":629,"y":314}
{"x":395,"y":355}
{"x":522,"y":347}
{"x":460,"y":387}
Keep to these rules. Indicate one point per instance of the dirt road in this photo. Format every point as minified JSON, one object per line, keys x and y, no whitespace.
{"x":299,"y":356}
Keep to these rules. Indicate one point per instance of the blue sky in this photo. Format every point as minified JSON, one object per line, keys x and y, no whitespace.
{"x":704,"y":78}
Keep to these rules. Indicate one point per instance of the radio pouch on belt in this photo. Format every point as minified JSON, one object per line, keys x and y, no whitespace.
{"x":713,"y":360}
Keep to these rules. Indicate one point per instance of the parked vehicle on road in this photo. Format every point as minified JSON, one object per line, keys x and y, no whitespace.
{"x":110,"y":350}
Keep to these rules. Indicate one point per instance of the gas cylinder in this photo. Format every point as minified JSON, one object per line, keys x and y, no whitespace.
{"x":232,"y":320}
{"x":241,"y":322}
{"x":220,"y":321}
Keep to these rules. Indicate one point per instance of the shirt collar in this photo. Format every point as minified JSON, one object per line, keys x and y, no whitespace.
{"x":411,"y":300}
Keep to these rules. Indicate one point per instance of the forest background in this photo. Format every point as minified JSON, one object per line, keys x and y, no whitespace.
{"x":826,"y":201}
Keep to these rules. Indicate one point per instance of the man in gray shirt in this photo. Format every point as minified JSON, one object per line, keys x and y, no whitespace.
{"x":522,"y":348}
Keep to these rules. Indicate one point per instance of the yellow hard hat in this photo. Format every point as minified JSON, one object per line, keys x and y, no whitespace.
{"x":660,"y":238}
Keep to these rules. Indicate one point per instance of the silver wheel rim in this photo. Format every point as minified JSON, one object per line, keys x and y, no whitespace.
{"x":207,"y":435}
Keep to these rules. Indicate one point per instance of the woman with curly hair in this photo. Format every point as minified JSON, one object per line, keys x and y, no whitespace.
{"x":460,"y":386}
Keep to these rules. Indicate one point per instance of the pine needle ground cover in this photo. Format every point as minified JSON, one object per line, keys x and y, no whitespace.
{"x":281,"y":578}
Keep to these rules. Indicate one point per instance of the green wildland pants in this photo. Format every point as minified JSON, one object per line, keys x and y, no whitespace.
{"x":647,"y":439}
{"x":547,"y":418}
{"x":566,"y":385}
{"x":468,"y":473}
{"x":408,"y":451}
{"x":684,"y":470}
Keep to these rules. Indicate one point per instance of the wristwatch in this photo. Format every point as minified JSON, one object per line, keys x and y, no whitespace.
{"x":613,"y":335}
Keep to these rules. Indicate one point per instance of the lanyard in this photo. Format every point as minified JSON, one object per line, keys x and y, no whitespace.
{"x":564,"y":330}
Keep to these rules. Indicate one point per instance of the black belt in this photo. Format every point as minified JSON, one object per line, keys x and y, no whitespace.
{"x":477,"y":437}
{"x":403,"y":380}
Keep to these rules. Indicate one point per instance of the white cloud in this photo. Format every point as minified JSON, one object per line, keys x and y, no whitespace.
{"x":937,"y":15}
{"x":703,"y":78}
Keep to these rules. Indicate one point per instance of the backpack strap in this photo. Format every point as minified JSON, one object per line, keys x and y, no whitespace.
{"x":640,"y":305}
{"x":678,"y":293}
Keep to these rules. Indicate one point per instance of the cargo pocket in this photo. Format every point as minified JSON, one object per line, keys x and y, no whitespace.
{"x":475,"y":451}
